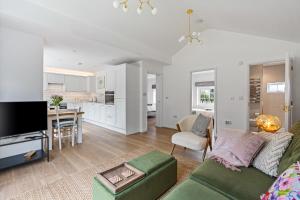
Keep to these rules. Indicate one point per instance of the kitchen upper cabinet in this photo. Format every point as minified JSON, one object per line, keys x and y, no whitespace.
{"x":55,"y":78}
{"x":110,"y":80}
{"x":92,"y":84}
{"x":75,"y":83}
{"x":120,"y":90}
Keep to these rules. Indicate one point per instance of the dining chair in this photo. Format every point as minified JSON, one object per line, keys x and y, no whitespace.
{"x":63,"y":124}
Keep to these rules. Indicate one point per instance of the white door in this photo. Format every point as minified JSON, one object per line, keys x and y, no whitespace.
{"x":288,"y":92}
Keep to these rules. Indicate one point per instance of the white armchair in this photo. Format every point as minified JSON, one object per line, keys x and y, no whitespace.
{"x":188,"y":139}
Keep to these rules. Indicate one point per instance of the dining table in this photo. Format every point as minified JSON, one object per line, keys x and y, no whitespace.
{"x":64,"y":114}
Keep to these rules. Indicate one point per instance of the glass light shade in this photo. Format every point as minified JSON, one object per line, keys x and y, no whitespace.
{"x":154,"y":11}
{"x":260,"y":120}
{"x":139,"y":10}
{"x":181,"y":38}
{"x":268,"y":123}
{"x":116,"y":4}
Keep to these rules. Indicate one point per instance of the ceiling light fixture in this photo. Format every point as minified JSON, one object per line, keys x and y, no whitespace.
{"x":141,"y":5}
{"x":190,"y":36}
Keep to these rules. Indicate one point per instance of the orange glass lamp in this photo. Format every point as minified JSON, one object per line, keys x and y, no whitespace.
{"x":268,"y":123}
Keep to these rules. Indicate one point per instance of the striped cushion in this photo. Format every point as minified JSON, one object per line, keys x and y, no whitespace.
{"x":268,"y":159}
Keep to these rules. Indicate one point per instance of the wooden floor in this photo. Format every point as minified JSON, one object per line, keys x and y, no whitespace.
{"x":99,"y":146}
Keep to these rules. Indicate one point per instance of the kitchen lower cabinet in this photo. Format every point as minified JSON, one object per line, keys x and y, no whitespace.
{"x":120,"y":113}
{"x":99,"y":113}
{"x":110,"y":114}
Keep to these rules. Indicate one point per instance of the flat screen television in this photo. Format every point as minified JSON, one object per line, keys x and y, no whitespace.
{"x":22,"y":117}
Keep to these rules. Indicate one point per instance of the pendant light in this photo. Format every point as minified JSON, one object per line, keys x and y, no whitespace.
{"x":190,"y":36}
{"x":141,"y":5}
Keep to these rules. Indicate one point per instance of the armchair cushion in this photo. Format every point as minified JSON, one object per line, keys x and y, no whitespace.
{"x":186,"y":124}
{"x":200,"y":125}
{"x":189,"y":140}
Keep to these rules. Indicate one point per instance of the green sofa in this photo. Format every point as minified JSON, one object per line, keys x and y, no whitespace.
{"x":160,"y":175}
{"x":212,"y":181}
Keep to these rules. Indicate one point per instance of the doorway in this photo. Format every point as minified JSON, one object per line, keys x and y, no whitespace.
{"x":151,"y":100}
{"x":268,"y":92}
{"x":203,"y":94}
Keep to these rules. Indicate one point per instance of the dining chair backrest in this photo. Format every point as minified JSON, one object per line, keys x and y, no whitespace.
{"x":72,"y":116}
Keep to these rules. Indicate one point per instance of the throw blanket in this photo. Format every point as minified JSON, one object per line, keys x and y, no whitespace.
{"x":222,"y":154}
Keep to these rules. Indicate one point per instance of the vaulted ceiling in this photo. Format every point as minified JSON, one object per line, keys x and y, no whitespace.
{"x":94,"y":33}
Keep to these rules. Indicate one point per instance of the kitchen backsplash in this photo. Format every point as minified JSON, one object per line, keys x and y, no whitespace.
{"x":68,"y":96}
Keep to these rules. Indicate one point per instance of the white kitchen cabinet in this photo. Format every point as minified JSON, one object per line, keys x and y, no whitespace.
{"x":55,"y":78}
{"x":92,"y":84}
{"x":110,"y":115}
{"x":85,"y":109}
{"x":120,"y":113}
{"x":100,"y":81}
{"x":89,"y":111}
{"x":99,"y":112}
{"x":110,"y":80}
{"x":120,"y":81}
{"x":124,"y":115}
{"x":75,"y":83}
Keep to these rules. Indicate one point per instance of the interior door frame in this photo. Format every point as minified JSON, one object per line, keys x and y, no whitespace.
{"x":159,"y":102}
{"x":288,"y":107}
{"x":281,"y":60}
{"x":215,"y":69}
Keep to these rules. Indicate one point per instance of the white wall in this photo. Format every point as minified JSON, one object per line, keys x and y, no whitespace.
{"x":230,"y":54}
{"x":21,"y":66}
{"x":21,"y":75}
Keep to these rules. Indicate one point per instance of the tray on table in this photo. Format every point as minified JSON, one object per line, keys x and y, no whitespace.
{"x":120,"y":177}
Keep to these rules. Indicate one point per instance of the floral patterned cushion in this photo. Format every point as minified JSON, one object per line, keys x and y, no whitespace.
{"x":287,"y":185}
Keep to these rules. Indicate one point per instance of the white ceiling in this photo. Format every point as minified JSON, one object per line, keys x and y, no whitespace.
{"x":100,"y":34}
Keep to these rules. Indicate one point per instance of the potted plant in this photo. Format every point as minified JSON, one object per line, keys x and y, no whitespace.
{"x":56,"y":100}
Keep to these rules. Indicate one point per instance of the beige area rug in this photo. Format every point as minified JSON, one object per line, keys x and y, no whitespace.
{"x":79,"y":186}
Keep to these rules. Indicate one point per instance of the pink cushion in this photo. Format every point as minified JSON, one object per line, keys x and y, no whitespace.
{"x":247,"y":147}
{"x":222,"y":152}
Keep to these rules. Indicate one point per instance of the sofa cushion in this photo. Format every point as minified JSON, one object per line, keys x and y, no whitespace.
{"x":247,"y":148}
{"x":190,"y":140}
{"x":250,"y":183}
{"x":268,"y":159}
{"x":151,"y":161}
{"x":287,"y":185}
{"x":291,"y":155}
{"x":191,"y":190}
